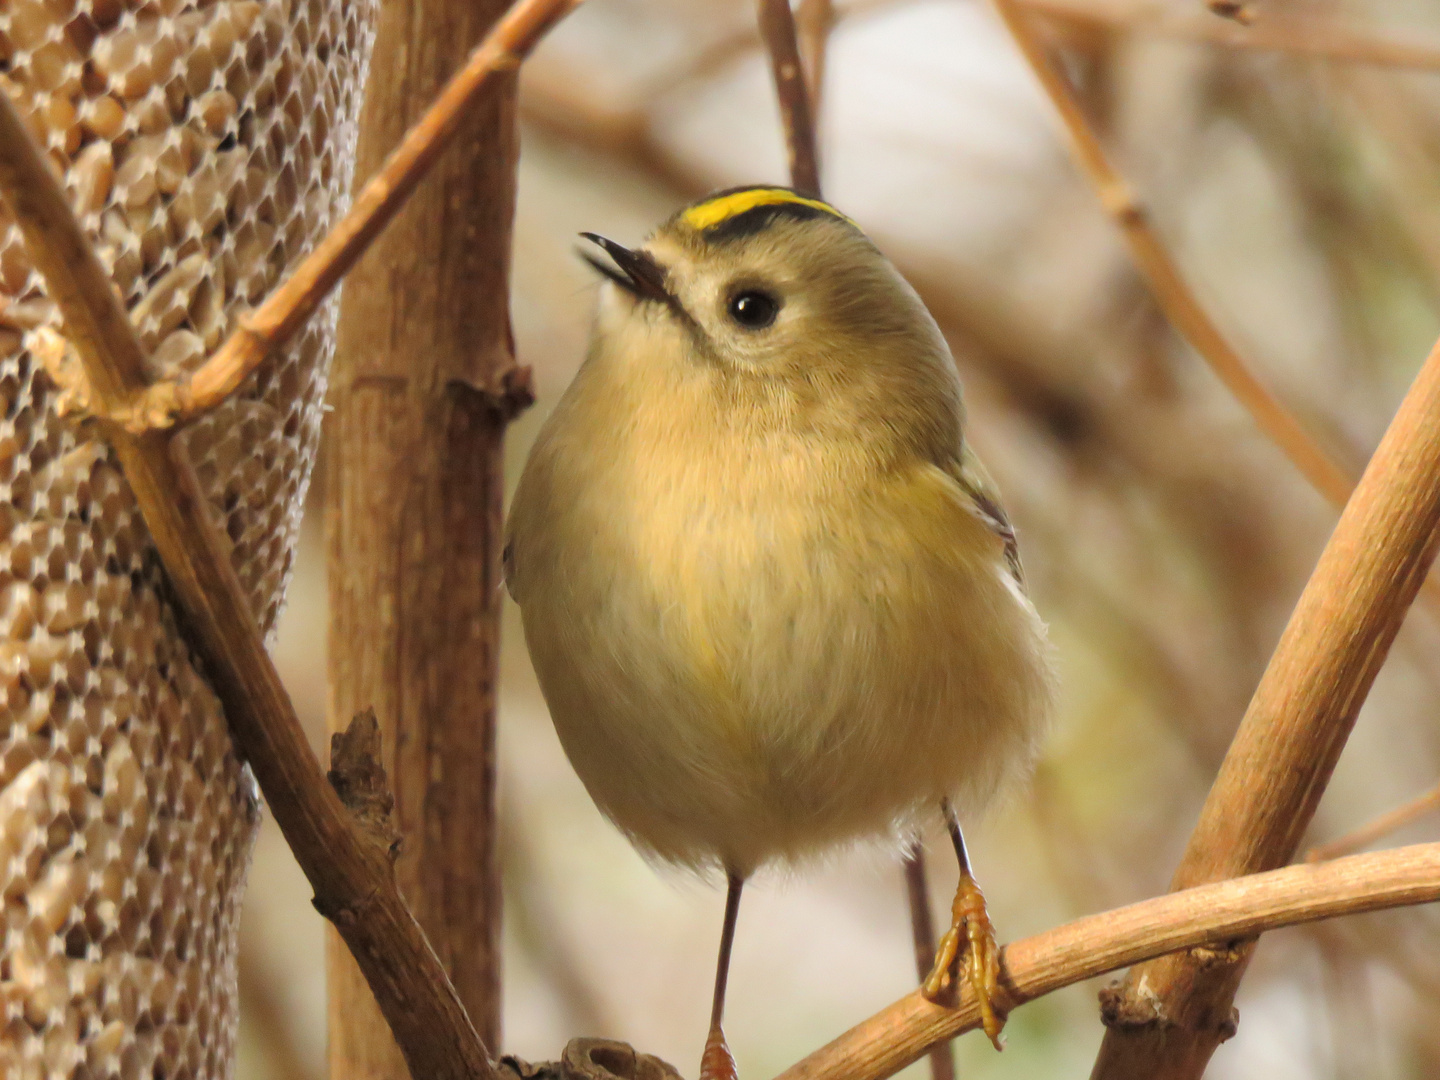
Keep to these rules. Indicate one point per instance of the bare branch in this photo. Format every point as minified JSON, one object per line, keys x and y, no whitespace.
{"x":1294,"y":729}
{"x":1305,"y":36}
{"x":1207,"y":918}
{"x":814,"y":19}
{"x":725,"y":49}
{"x":354,"y":885}
{"x":1166,"y":282}
{"x":777,"y":28}
{"x":922,"y":928}
{"x":421,"y":390}
{"x":1381,"y":827}
{"x":286,"y":310}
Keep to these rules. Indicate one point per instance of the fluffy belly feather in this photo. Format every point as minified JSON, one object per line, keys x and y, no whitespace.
{"x":765,"y":684}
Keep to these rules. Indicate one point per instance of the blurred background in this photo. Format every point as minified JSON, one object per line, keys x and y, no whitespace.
{"x":1165,"y":539}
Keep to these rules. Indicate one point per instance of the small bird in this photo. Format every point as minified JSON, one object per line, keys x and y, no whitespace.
{"x":771,"y":597}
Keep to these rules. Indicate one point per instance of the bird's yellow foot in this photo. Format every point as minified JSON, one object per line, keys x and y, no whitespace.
{"x":982,"y":955}
{"x":716,"y":1062}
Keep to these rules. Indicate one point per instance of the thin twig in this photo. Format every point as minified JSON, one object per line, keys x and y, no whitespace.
{"x":1168,"y":285}
{"x":1209,"y":916}
{"x":814,"y":19}
{"x":1381,"y":827}
{"x":777,"y":29}
{"x":922,"y":929}
{"x":285,"y":310}
{"x":1166,"y":282}
{"x":725,"y":49}
{"x":1293,"y":731}
{"x":352,"y":876}
{"x":1302,"y":37}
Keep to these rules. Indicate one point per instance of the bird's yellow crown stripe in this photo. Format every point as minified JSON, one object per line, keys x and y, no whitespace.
{"x":712,"y":212}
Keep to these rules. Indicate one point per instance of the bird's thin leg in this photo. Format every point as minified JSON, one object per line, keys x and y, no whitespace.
{"x":716,"y":1063}
{"x":982,"y":953}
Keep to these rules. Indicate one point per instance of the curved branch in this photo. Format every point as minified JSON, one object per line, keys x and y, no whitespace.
{"x":1208,"y":917}
{"x":1167,"y":284}
{"x":1293,"y":731}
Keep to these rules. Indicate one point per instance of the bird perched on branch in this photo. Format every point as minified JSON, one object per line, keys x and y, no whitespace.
{"x":769,"y":591}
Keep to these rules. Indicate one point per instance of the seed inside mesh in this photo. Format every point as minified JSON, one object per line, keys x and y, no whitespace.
{"x":205,"y":146}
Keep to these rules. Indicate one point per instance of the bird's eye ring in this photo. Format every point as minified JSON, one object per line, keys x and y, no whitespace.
{"x":753,"y":309}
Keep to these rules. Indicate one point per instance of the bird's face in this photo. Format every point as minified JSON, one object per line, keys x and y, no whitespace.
{"x":784,"y":294}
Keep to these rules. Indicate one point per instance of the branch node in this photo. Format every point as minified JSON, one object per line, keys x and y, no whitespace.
{"x":1233,"y":9}
{"x":1132,"y":1011}
{"x":358,"y":777}
{"x":515,"y":393}
{"x":1210,"y":957}
{"x":1121,"y":203}
{"x":153,"y":409}
{"x":1227,"y":1028}
{"x":59,"y":360}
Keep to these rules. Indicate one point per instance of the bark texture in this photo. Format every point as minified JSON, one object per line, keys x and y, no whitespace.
{"x":422,"y":393}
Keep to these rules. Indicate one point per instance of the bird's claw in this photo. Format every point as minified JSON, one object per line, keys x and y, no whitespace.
{"x":716,"y":1063}
{"x":982,"y":956}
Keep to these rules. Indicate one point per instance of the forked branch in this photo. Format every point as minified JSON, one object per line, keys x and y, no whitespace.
{"x":352,"y":876}
{"x":1293,"y":731}
{"x":1208,"y":916}
{"x":288,"y":308}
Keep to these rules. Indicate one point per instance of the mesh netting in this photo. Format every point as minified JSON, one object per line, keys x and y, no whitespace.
{"x":206,"y":145}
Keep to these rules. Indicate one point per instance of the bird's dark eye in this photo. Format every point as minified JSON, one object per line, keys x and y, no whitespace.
{"x":754,"y":310}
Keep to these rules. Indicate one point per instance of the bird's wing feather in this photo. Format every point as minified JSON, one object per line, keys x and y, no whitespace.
{"x":507,"y":567}
{"x":984,"y":501}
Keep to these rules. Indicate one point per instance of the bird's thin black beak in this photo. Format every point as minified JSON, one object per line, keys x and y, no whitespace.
{"x":639,"y":274}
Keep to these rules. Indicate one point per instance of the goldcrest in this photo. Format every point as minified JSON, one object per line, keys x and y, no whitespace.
{"x":769,"y":591}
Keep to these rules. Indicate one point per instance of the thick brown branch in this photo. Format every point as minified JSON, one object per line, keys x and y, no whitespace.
{"x":352,"y":877}
{"x":777,"y":30}
{"x":1296,"y":725}
{"x":1204,"y":919}
{"x":421,"y":391}
{"x":1305,"y":36}
{"x":285,"y":310}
